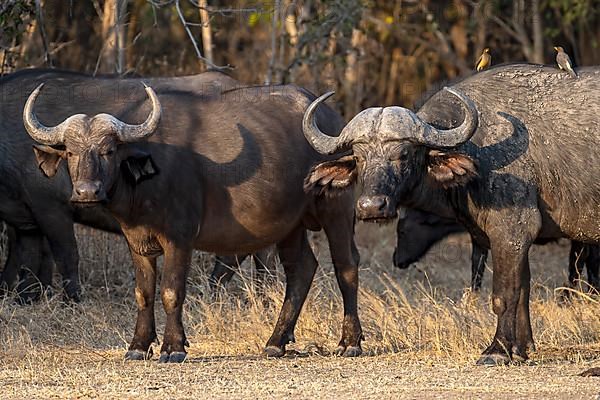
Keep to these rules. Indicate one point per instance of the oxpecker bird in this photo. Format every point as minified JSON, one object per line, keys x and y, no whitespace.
{"x":484,"y":61}
{"x":564,"y":61}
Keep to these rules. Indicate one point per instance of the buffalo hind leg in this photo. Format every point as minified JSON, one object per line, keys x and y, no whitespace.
{"x":41,"y":266}
{"x":46,"y":267}
{"x":145,"y":326}
{"x":299,"y":264}
{"x":478,"y":259}
{"x":61,"y":237}
{"x":577,"y":260}
{"x":593,"y":266}
{"x":172,"y":292}
{"x":224,"y":269}
{"x":29,"y":245}
{"x":264,"y":264}
{"x":12,"y":266}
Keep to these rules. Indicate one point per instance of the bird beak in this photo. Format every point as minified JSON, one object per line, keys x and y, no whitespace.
{"x":555,"y":48}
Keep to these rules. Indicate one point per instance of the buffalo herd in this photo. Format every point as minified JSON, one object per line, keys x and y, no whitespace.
{"x":204,"y":162}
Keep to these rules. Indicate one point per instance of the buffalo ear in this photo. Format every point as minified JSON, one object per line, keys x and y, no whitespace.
{"x":48,"y":158}
{"x":331,"y":176}
{"x":138,"y":166}
{"x":451,"y":169}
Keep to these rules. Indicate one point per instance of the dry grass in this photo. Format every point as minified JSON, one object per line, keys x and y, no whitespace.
{"x":422,"y":337}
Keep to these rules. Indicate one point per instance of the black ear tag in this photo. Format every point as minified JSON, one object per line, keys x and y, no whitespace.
{"x":139,"y":168}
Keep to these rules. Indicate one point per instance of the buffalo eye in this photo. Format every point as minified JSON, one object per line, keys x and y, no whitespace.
{"x":401,"y":156}
{"x":108,"y":152}
{"x":69,"y":154}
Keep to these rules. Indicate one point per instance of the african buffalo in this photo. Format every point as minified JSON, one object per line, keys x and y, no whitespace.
{"x":36,"y":208}
{"x":220,"y":172}
{"x":419,"y":230}
{"x":510,"y":152}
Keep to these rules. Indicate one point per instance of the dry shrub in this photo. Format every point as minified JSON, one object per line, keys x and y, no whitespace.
{"x":421,"y":312}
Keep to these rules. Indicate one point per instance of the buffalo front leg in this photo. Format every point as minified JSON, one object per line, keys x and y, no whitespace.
{"x":299,"y":264}
{"x":145,"y":327}
{"x":172,"y":292}
{"x":510,"y":293}
{"x":345,"y":257}
{"x":524,"y":334}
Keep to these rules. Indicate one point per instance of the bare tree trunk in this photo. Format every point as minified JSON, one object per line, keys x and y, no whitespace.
{"x":538,"y":34}
{"x":390,"y":97}
{"x":481,"y":16}
{"x":282,"y":42}
{"x":274,"y":24}
{"x":113,"y":33}
{"x":206,"y":31}
{"x":352,"y":83}
{"x":132,"y":34}
{"x":518,"y":21}
{"x":40,"y":19}
{"x":27,"y":43}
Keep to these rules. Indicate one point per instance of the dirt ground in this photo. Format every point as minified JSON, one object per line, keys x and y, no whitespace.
{"x":104,"y":375}
{"x":423,"y":335}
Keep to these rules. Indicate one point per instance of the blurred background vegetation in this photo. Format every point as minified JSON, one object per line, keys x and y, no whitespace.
{"x":372,"y":52}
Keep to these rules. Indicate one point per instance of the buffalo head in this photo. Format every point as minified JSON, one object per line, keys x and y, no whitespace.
{"x":393,"y":152}
{"x":88,"y":144}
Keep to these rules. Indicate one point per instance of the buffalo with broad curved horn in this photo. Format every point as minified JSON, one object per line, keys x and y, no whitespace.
{"x":509,"y":173}
{"x":55,"y":135}
{"x":38,"y":210}
{"x":225,"y":175}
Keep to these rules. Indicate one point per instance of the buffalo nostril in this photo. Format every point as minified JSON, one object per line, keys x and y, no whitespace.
{"x":382,"y":203}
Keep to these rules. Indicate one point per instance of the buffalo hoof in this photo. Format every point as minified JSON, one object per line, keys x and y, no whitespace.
{"x":273,"y":352}
{"x":352,"y":351}
{"x":520,"y":354}
{"x":72,"y":298}
{"x":138,"y":355}
{"x":339,"y":351}
{"x":349,"y":351}
{"x":175,"y":357}
{"x":493,"y":359}
{"x":591,"y":372}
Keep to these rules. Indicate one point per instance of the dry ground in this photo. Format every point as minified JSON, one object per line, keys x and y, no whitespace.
{"x":422,"y":336}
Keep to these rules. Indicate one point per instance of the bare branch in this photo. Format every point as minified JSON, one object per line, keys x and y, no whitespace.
{"x":196,"y":48}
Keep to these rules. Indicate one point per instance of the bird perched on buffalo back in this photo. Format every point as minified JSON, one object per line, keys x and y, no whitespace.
{"x":564,"y":61}
{"x":484,"y":61}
